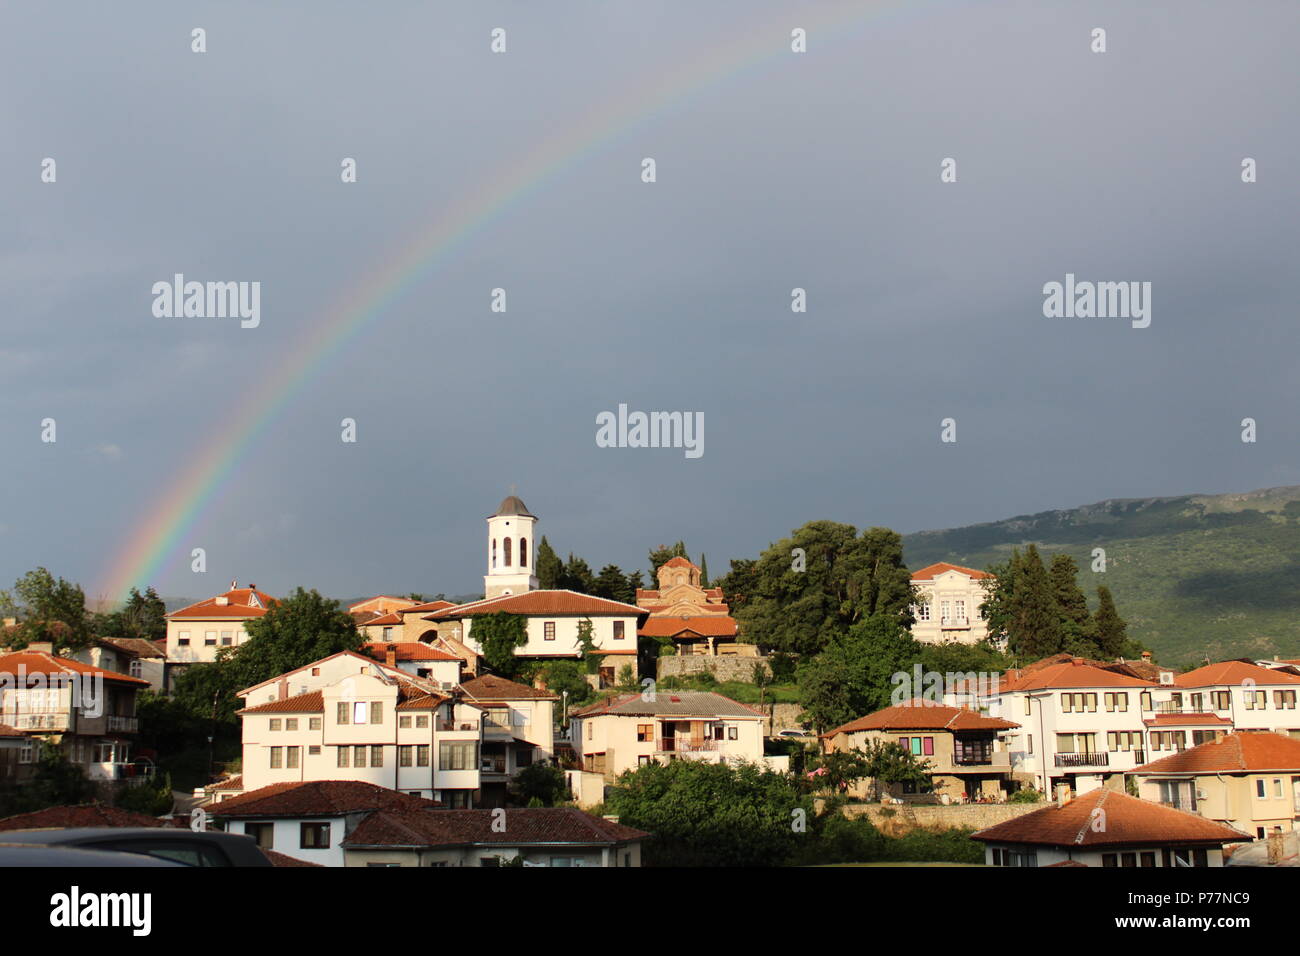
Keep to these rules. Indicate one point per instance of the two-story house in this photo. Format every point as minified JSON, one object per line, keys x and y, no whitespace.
{"x":350,"y":717}
{"x":88,"y":712}
{"x":518,"y":731}
{"x":965,"y":751}
{"x":1241,"y":694}
{"x":948,"y":606}
{"x":196,"y":633}
{"x":627,"y":732}
{"x":1249,"y":780}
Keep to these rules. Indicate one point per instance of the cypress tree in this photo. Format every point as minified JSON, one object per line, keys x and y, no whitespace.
{"x":1035,"y":630}
{"x":704,"y":571}
{"x":1112,"y":630}
{"x":548,"y":566}
{"x":1078,"y":632}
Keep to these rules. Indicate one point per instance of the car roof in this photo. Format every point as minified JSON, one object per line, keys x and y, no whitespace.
{"x":70,"y":856}
{"x":72,"y":835}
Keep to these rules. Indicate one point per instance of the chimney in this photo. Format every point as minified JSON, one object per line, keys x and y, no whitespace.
{"x":390,"y":655}
{"x":41,"y":647}
{"x":1062,"y":794}
{"x":284,"y":688}
{"x":1146,"y":657}
{"x":233,"y":585}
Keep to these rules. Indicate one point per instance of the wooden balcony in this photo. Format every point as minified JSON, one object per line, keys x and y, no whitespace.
{"x":1100,"y":759}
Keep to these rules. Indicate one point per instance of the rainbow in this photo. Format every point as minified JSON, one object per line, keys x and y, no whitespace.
{"x":160,"y":533}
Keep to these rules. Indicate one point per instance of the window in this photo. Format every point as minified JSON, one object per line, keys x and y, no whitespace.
{"x":548,"y":631}
{"x":136,"y":669}
{"x":494,"y":552}
{"x":1198,"y":703}
{"x":421,"y":720}
{"x":618,"y":630}
{"x":210,"y":638}
{"x":343,"y":712}
{"x":376,"y":755}
{"x":922,"y":612}
{"x":314,"y":836}
{"x":523,"y":552}
{"x":1029,"y":705}
{"x":359,"y":712}
{"x":1284,"y":699}
{"x":645,"y":732}
{"x":1222,"y":699}
{"x":1146,"y":700}
{"x":1256,"y":699}
{"x":1149,"y":858}
{"x":292,"y":755}
{"x":313,"y":750}
{"x":1277,"y":789}
{"x":505,"y":550}
{"x":405,"y":758}
{"x":262,"y":833}
{"x":404,"y":720}
{"x":275,"y":724}
{"x":291,"y":723}
{"x":1116,"y":702}
{"x":227,"y":638}
{"x":422,"y":755}
{"x":313,"y":723}
{"x":733,"y":733}
{"x":183,"y":638}
{"x":458,"y":755}
{"x":359,"y":755}
{"x":376,"y":711}
{"x":1260,"y":789}
{"x":277,"y":757}
{"x":343,"y":756}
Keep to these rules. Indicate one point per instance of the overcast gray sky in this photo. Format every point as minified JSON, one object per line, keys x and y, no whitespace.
{"x":817,"y":170}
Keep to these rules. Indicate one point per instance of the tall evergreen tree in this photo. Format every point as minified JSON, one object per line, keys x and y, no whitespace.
{"x":548,"y":566}
{"x":576,"y":576}
{"x":662,"y":554}
{"x":611,"y":584}
{"x":1078,"y":631}
{"x":1035,"y":627}
{"x":1112,"y":630}
{"x":634,"y":584}
{"x":704,"y":571}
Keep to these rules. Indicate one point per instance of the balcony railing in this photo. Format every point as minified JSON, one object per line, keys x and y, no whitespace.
{"x":972,"y":760}
{"x":127,"y":725}
{"x":493,"y":765}
{"x":1179,"y":803}
{"x":458,"y":725}
{"x":508,"y":730}
{"x":1101,"y":759}
{"x":679,"y":745}
{"x":954,"y":622}
{"x":48,"y":721}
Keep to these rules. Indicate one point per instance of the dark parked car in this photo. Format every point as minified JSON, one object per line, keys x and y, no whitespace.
{"x":72,"y":857}
{"x":188,"y":847}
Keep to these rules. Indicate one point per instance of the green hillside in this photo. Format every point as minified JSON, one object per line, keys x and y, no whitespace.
{"x":1195,"y":576}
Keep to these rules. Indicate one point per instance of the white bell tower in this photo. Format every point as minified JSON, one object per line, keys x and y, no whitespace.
{"x":512,"y":549}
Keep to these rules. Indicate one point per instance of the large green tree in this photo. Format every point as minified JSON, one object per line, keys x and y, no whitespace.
{"x":1078,"y":630}
{"x":576,"y":576}
{"x":143,"y":616}
{"x":1111,"y":629}
{"x":1035,"y":628}
{"x":498,"y":635}
{"x":813,"y":586}
{"x":612,"y":584}
{"x":854,"y":675}
{"x":47,"y":608}
{"x":713,"y":814}
{"x":548,"y":566}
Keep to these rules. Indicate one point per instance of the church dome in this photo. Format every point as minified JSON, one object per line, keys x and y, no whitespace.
{"x":512,"y":505}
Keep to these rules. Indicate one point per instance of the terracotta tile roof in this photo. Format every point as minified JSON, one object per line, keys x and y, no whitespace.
{"x":444,"y":828}
{"x":7,"y":731}
{"x":929,"y":573}
{"x":136,"y":646}
{"x":430,"y":606}
{"x":239,"y":604}
{"x":363,"y":660}
{"x":1186,"y":720}
{"x":678,"y":562}
{"x":704,"y":626}
{"x":84,"y":815}
{"x":491,"y":687}
{"x":685,"y":703}
{"x":1234,"y":672}
{"x":919,"y":715}
{"x":1125,"y":821}
{"x":1070,"y":673}
{"x":283,"y":859}
{"x":41,"y":662}
{"x":317,"y":798}
{"x":1251,"y":752}
{"x":372,"y":620}
{"x":1066,"y":863}
{"x":408,"y":651}
{"x":312,"y":702}
{"x":405,"y":602}
{"x":230,"y":783}
{"x":540,"y":602}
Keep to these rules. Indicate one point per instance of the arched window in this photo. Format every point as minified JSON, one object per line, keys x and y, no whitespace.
{"x":505,"y":545}
{"x":523,"y":552}
{"x":494,"y":552}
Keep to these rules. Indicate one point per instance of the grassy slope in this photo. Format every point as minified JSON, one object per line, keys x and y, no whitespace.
{"x":1198,"y":575}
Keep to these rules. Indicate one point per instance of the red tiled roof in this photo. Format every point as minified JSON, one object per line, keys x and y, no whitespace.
{"x":41,"y":662}
{"x":84,"y":815}
{"x":1233,"y":753}
{"x":923,"y":716}
{"x":1234,"y":672}
{"x":7,"y":731}
{"x":430,"y":606}
{"x":1074,"y":672}
{"x":392,"y":617}
{"x":1186,"y":720}
{"x":678,"y":562}
{"x":491,"y":687}
{"x":535,"y":826}
{"x":317,"y":798}
{"x":230,"y":783}
{"x":704,"y":626}
{"x":136,"y":646}
{"x":929,"y":573}
{"x":1123,"y":821}
{"x":540,"y":602}
{"x":239,"y":604}
{"x":409,"y":651}
{"x":682,"y":703}
{"x":312,"y":702}
{"x":380,"y":597}
{"x":283,"y":859}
